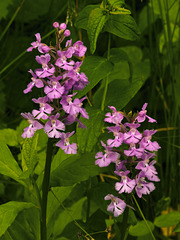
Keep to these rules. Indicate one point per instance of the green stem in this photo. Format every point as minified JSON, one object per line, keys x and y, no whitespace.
{"x":45,"y":188}
{"x":106,"y":79}
{"x":124,"y":223}
{"x":143,"y":217}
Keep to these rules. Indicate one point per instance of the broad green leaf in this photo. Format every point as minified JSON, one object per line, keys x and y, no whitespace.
{"x":61,"y":193}
{"x":95,"y":68}
{"x":120,"y":91}
{"x":9,"y":136}
{"x":74,"y":169}
{"x":4,"y":4}
{"x":96,"y":22}
{"x":116,"y":3}
{"x":32,"y":216}
{"x":8,"y":213}
{"x":75,"y":212}
{"x":8,"y":165}
{"x":20,"y":229}
{"x":177,"y":228}
{"x":140,"y":229}
{"x":53,"y":209}
{"x":83,"y":16}
{"x":118,"y":55}
{"x":87,"y":138}
{"x":167,"y":220}
{"x":123,"y":26}
{"x":134,"y":53}
{"x":147,"y":237}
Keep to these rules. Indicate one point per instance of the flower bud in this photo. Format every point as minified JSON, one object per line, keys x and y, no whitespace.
{"x":55,"y":24}
{"x":62,"y":26}
{"x":67,"y":33}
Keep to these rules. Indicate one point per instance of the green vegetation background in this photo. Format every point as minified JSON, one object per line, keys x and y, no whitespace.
{"x":150,"y":75}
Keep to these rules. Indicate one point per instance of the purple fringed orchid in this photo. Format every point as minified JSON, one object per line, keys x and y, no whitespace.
{"x":142,"y":115}
{"x":33,"y":127}
{"x":45,"y":108}
{"x":116,"y":206}
{"x":65,"y":145}
{"x":47,"y":69}
{"x":42,"y":48}
{"x":126,"y":185}
{"x":53,"y":125}
{"x":103,"y":160}
{"x":130,"y":151}
{"x":59,"y":75}
{"x":35,"y":82}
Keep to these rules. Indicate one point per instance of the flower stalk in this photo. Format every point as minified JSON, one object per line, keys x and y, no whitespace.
{"x":45,"y":188}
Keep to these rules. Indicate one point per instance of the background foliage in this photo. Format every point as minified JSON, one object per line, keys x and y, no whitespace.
{"x":138,"y":56}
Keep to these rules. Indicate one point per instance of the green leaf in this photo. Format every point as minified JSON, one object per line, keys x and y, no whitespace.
{"x":177,"y":228}
{"x":95,"y":68}
{"x":87,"y":138}
{"x":4,"y":4}
{"x":83,"y":16}
{"x":120,"y":11}
{"x":9,"y":136}
{"x":118,"y":55}
{"x":61,"y":193}
{"x":75,"y":169}
{"x":8,"y":213}
{"x":123,"y":26}
{"x":20,"y":229}
{"x":29,"y":154}
{"x":140,"y":229}
{"x":120,"y":91}
{"x":167,"y":220}
{"x":75,"y":212}
{"x":96,"y":22}
{"x":8,"y":165}
{"x":116,"y":3}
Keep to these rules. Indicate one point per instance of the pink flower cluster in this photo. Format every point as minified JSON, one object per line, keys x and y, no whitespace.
{"x":132,"y":152}
{"x":59,"y":75}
